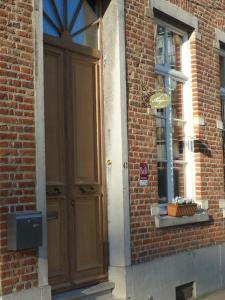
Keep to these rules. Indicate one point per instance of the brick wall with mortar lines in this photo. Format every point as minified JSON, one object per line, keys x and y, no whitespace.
{"x":147,"y":241}
{"x":18,"y":270}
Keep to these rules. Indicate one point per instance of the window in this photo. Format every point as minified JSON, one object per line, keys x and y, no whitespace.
{"x":173,"y":123}
{"x":79,"y":18}
{"x":222,"y":94}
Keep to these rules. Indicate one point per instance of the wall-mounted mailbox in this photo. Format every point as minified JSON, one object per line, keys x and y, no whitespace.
{"x":24,"y":230}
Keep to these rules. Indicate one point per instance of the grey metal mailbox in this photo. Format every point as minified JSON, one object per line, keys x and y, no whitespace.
{"x":24,"y":230}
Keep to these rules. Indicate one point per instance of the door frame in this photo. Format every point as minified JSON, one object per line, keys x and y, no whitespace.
{"x":114,"y":86}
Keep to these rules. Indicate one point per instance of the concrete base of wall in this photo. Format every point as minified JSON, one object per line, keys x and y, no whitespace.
{"x":40,"y":293}
{"x":157,"y":280}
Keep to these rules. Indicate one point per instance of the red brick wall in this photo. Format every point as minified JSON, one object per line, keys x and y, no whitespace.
{"x":147,"y":241}
{"x":18,"y":270}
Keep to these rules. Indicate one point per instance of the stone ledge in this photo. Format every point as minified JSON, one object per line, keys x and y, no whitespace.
{"x":175,"y":12}
{"x":166,"y":221}
{"x":101,"y":291}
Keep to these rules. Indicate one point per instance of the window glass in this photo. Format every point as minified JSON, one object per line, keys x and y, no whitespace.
{"x":73,"y":8}
{"x":222,"y":72}
{"x":88,"y":37}
{"x":178,"y":121}
{"x":49,"y":29}
{"x":87,"y":15}
{"x":49,"y":10}
{"x":162,"y":182}
{"x":161,"y":138}
{"x":174,"y":50}
{"x":160,"y":45}
{"x":178,"y":139}
{"x":80,"y":18}
{"x":223,"y":120}
{"x":222,"y":85}
{"x":161,"y":145}
{"x":168,"y":48}
{"x":223,"y":107}
{"x":179,"y":179}
{"x":60,"y":7}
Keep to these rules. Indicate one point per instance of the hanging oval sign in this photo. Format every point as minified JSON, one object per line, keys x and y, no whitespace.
{"x":159,"y":100}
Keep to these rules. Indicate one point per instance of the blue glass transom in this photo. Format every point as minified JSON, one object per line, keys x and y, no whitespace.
{"x":77,"y":17}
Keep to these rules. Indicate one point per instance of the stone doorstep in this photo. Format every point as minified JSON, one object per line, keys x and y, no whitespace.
{"x":102,"y":291}
{"x":217,"y":295}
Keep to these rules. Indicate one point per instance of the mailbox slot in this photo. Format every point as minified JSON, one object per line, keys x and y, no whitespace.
{"x":24,"y":230}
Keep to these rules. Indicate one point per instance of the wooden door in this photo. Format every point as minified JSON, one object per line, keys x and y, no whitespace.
{"x":75,"y":197}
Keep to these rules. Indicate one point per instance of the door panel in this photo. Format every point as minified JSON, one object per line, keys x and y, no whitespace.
{"x":85,"y":125}
{"x":54,"y":117}
{"x":57,"y":259}
{"x":87,"y":212}
{"x":55,"y":167}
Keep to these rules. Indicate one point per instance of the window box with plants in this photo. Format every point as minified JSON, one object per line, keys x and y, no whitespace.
{"x":181,"y":207}
{"x":181,"y":211}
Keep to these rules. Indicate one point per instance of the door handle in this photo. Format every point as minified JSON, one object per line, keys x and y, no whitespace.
{"x":72,"y":203}
{"x":87,"y":189}
{"x":82,"y":189}
{"x":54,"y":192}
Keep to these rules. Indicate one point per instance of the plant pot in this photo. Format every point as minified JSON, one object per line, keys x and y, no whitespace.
{"x":180,"y":210}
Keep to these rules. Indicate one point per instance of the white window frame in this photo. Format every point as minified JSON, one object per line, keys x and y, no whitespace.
{"x":183,"y":76}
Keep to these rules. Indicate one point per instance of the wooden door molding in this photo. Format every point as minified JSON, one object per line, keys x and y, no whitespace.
{"x":67,"y":44}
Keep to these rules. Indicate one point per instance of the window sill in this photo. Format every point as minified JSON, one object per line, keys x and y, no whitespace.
{"x":166,"y":221}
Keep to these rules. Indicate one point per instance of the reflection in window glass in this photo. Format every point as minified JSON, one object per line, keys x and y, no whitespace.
{"x":174,"y":50}
{"x":223,"y":120}
{"x":171,"y":50}
{"x":162,"y":182}
{"x":85,"y":17}
{"x":168,"y":48}
{"x":223,"y":107}
{"x":161,"y":145}
{"x":89,"y":37}
{"x":179,"y":180}
{"x":160,"y":45}
{"x":222,"y":94}
{"x":178,"y":122}
{"x":161,"y":138}
{"x":222,"y":71}
{"x":179,"y":163}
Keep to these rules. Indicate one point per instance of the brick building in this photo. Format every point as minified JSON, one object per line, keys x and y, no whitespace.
{"x":76,"y":130}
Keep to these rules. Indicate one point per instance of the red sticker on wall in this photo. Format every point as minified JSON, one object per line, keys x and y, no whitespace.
{"x":143,"y":174}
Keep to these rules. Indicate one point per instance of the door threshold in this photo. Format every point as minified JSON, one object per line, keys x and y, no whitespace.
{"x":94,"y":292}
